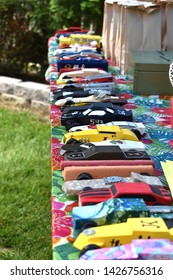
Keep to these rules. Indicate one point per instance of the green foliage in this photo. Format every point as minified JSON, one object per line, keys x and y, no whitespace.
{"x":26,"y":26}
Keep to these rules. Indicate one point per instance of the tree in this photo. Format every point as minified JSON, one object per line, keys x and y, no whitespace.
{"x":76,"y":13}
{"x":26,"y":25}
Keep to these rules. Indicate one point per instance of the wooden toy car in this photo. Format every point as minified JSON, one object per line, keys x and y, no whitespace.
{"x":122,"y":233}
{"x":69,"y":92}
{"x":137,"y":127}
{"x":111,"y":211}
{"x":138,"y":249}
{"x":101,"y":133}
{"x":82,"y":39}
{"x":84,"y":172}
{"x":94,"y":113}
{"x":73,"y":187}
{"x":81,"y":61}
{"x":106,"y":153}
{"x":152,"y":195}
{"x":70,"y":101}
{"x":103,"y":86}
{"x":83,"y":72}
{"x":124,"y":145}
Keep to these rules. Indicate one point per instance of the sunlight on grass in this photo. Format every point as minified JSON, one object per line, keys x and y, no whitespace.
{"x":25,"y":197}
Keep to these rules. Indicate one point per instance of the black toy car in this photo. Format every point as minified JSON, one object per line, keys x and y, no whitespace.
{"x":105,"y":153}
{"x":94,"y":113}
{"x":72,"y":91}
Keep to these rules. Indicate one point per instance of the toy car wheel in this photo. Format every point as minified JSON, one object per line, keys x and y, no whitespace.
{"x":84,"y":176}
{"x":137,"y":133}
{"x":68,"y":103}
{"x":73,"y":141}
{"x":87,"y":189}
{"x":88,"y":225}
{"x":70,"y":124}
{"x":87,"y":248}
{"x":145,"y":174}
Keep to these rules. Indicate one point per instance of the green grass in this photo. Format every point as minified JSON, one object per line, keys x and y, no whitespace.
{"x":25,"y":187}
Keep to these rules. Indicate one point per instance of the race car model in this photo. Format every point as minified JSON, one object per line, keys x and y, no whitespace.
{"x":73,"y":187}
{"x":116,"y":210}
{"x":138,"y":249}
{"x":106,"y":169}
{"x":152,"y":195}
{"x":111,"y":211}
{"x":70,"y":101}
{"x":82,"y":60}
{"x":89,"y":79}
{"x":73,"y":92}
{"x":124,"y":145}
{"x":83,"y":72}
{"x":103,"y":86}
{"x":94,"y":113}
{"x":101,"y":133}
{"x":137,"y":127}
{"x":105,"y":153}
{"x":122,"y":233}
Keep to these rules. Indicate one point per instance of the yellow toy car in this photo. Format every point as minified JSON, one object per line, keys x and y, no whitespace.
{"x":122,"y":233}
{"x":101,"y":133}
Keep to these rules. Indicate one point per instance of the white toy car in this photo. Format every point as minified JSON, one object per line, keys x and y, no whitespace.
{"x":124,"y":145}
{"x":91,"y":98}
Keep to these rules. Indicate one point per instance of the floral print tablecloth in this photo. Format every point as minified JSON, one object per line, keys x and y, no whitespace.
{"x":153,"y":111}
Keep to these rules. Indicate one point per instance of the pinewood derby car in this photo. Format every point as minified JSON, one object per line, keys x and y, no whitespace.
{"x":105,"y":153}
{"x":84,"y":72}
{"x":73,"y":187}
{"x":111,"y":211}
{"x":101,"y":133}
{"x":70,"y":101}
{"x":122,"y":233}
{"x":152,"y":195}
{"x":77,"y":92}
{"x":137,"y":128}
{"x":122,"y":169}
{"x":94,"y":113}
{"x":124,"y":145}
{"x":138,"y":249}
{"x":116,"y":210}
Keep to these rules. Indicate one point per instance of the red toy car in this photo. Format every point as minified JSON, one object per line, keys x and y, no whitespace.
{"x":152,"y":195}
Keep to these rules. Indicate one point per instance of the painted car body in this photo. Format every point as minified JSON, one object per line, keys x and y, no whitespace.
{"x":111,"y":211}
{"x":138,"y":249}
{"x":94,"y":113}
{"x":123,"y":124}
{"x":124,"y":233}
{"x":152,"y":195}
{"x":101,"y":133}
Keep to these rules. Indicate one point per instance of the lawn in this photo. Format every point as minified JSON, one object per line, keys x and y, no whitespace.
{"x":25,"y":182}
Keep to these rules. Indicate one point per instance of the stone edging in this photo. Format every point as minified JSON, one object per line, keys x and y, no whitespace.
{"x":25,"y":95}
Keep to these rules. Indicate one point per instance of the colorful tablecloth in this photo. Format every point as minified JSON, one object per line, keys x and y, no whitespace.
{"x":153,"y":111}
